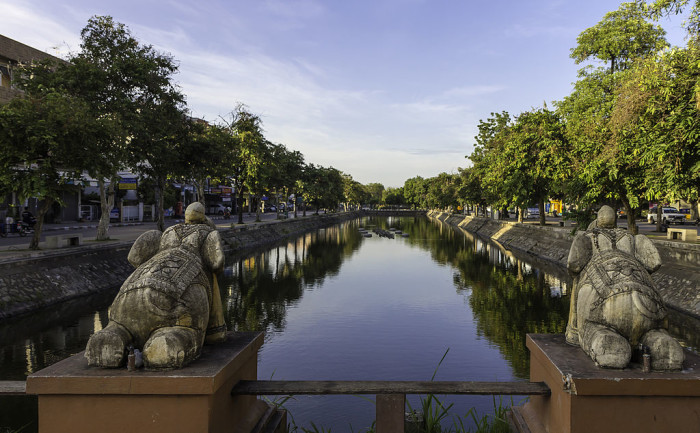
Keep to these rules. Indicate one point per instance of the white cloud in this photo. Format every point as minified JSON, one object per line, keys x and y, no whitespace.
{"x":46,"y":34}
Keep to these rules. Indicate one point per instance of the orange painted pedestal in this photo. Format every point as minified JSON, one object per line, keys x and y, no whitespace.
{"x":74,"y":397}
{"x":586,"y":398}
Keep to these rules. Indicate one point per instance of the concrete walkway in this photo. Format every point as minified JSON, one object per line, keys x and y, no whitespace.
{"x":14,"y":247}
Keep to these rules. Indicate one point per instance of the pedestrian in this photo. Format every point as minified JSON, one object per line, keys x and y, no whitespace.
{"x":28,"y":217}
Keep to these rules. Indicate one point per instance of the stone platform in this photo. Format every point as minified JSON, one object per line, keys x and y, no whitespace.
{"x":586,"y":398}
{"x":74,"y":397}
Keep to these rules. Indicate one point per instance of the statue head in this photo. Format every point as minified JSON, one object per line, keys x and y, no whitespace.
{"x":606,"y":217}
{"x":194,"y":214}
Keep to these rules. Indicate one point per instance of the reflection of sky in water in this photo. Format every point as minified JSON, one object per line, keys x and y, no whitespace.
{"x":391,"y":313}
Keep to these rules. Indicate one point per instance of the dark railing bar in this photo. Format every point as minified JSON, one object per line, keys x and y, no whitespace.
{"x":12,"y":387}
{"x":323,"y":387}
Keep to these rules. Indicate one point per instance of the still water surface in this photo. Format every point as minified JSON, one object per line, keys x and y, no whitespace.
{"x":338,"y":306}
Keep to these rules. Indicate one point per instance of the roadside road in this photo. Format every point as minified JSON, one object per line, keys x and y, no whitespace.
{"x":14,"y":246}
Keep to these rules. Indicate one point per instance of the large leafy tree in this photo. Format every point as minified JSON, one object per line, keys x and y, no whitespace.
{"x":45,"y":136}
{"x":202,"y":155}
{"x":522,"y":161}
{"x":354,"y":193}
{"x":490,"y":143}
{"x":414,"y":191}
{"x":658,"y":108}
{"x":620,"y":37}
{"x":121,"y":79}
{"x":375,"y":190}
{"x":158,"y":141}
{"x":246,"y":151}
{"x":605,"y":167}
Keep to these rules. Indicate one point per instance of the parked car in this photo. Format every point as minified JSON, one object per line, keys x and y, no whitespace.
{"x":668,"y":215}
{"x":217,"y":209}
{"x":532,"y":212}
{"x":270,"y":208}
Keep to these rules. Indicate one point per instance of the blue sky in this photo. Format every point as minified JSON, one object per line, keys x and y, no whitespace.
{"x":382,"y":89}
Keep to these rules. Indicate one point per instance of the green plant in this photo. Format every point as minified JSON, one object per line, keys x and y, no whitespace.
{"x":433,"y":411}
{"x":496,"y":423}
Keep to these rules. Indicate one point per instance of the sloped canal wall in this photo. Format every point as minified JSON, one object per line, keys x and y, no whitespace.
{"x":28,"y":285}
{"x":678,"y":279}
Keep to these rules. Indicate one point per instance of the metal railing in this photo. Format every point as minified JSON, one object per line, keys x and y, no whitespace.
{"x":390,"y":395}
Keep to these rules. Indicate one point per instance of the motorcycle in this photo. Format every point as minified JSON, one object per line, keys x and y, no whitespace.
{"x":12,"y":226}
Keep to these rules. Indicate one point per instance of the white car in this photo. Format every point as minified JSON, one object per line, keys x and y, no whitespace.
{"x":217,"y":209}
{"x":532,"y":212}
{"x":668,"y":215}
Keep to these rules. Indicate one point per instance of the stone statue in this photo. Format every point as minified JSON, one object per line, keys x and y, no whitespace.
{"x":170,"y":304}
{"x":615,"y":306}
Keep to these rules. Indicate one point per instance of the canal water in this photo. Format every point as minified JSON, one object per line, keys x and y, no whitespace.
{"x":339,"y":306}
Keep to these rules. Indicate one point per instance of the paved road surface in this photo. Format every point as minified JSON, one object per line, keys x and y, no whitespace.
{"x":13,"y":245}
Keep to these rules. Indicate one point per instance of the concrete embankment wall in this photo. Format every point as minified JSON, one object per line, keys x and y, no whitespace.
{"x":678,"y":279}
{"x":28,"y":285}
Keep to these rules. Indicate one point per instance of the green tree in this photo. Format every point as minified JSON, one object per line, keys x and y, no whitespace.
{"x":657,"y":108}
{"x":393,"y":196}
{"x":414,"y":191}
{"x":375,"y":191}
{"x":44,"y":136}
{"x":620,"y":37}
{"x":202,"y":155}
{"x":354,"y":192}
{"x":602,"y":162}
{"x":118,"y":78}
{"x":490,"y":144}
{"x":246,"y":152}
{"x":158,"y":141}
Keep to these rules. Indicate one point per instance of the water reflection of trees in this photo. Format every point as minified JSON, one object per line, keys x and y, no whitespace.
{"x":507,"y":296}
{"x":259,"y":289}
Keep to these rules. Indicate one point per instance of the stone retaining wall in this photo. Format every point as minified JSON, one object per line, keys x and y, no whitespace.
{"x":30,"y":284}
{"x":678,"y":279}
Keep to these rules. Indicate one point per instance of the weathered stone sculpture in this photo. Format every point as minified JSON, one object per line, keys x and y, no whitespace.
{"x":170,"y":304}
{"x":615,"y":306}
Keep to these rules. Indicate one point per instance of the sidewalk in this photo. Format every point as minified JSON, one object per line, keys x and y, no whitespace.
{"x":13,"y":246}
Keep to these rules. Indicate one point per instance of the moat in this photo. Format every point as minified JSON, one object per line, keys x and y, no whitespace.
{"x":338,"y":306}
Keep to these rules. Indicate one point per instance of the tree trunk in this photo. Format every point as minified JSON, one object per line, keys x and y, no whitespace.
{"x":631,"y":223}
{"x":659,"y":213}
{"x":199,"y":184}
{"x":258,"y":207}
{"x":542,"y":215}
{"x":295,"y":203}
{"x":239,"y":207}
{"x":106,"y":204}
{"x":34,"y":243}
{"x":160,"y":187}
{"x":520,"y":215}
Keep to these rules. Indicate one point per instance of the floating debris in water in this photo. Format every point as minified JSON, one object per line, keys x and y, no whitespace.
{"x":384,"y":233}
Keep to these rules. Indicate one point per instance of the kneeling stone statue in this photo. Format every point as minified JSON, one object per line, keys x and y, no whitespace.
{"x":170,"y":304}
{"x":615,"y":306}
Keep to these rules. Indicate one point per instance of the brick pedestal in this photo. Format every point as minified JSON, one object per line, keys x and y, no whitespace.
{"x":74,"y":397}
{"x":586,"y":398}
